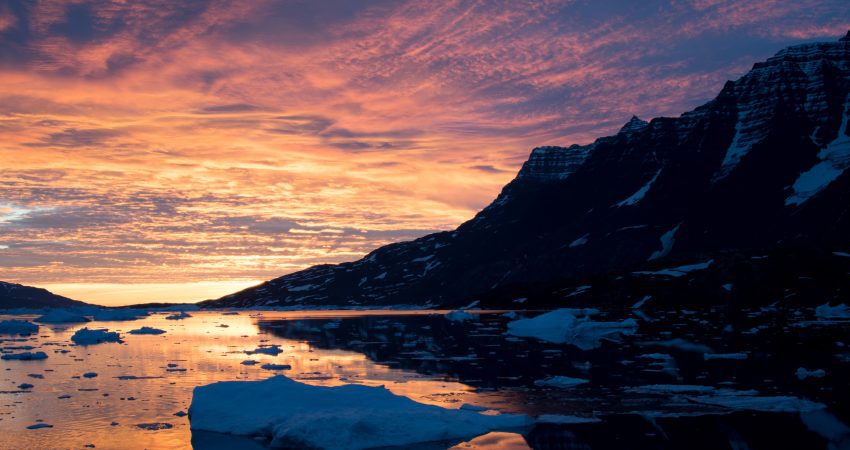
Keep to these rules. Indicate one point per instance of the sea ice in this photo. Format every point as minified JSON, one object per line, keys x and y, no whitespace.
{"x":803,"y":373}
{"x":459,"y":316}
{"x":272,"y":350}
{"x":563,"y":327}
{"x":61,"y":316}
{"x":25,"y":356}
{"x":85,"y":336}
{"x":565,"y":420}
{"x":276,"y":367}
{"x":561,"y":382}
{"x":345,"y":417}
{"x":826,"y":311}
{"x":106,"y":315}
{"x":147,"y":330}
{"x":17,"y":327}
{"x":179,"y":316}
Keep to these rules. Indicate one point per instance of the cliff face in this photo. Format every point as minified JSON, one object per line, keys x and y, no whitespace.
{"x":760,"y":168}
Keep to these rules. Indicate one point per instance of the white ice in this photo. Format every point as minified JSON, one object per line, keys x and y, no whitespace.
{"x":85,"y":336}
{"x":345,"y":417}
{"x":563,"y":327}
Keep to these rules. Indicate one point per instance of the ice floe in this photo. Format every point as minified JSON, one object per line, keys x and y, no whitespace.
{"x":17,"y":327}
{"x":347,"y":417}
{"x":25,"y":356}
{"x":459,"y":316}
{"x":107,"y":315}
{"x":564,"y":420}
{"x":179,"y":316}
{"x":85,"y":336}
{"x":678,"y":271}
{"x":563,"y":327}
{"x":272,"y":350}
{"x":147,"y":330}
{"x":560,"y":382}
{"x":803,"y":373}
{"x":826,"y":311}
{"x":62,"y":316}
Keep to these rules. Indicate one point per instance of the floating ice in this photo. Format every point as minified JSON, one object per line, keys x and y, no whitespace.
{"x":276,"y":367}
{"x":89,"y":375}
{"x":106,"y":315}
{"x":25,"y":386}
{"x":710,"y":356}
{"x":564,"y":420}
{"x":249,"y":362}
{"x":179,"y":316}
{"x":272,"y":350}
{"x":17,"y":327}
{"x":561,"y":382}
{"x":85,"y":336}
{"x":61,"y":316}
{"x":345,"y":417}
{"x":147,"y":330}
{"x":154,"y":426}
{"x":563,"y":327}
{"x":39,"y":425}
{"x":826,"y":311}
{"x":803,"y":373}
{"x":25,"y":356}
{"x":459,"y":316}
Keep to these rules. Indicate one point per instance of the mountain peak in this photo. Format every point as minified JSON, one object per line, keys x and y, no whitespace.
{"x":634,"y":124}
{"x":846,"y":37}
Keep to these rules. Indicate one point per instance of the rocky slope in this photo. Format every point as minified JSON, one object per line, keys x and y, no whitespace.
{"x":19,"y":296}
{"x":760,"y":170}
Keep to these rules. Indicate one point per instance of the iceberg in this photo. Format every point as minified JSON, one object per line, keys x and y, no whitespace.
{"x":85,"y":336}
{"x":17,"y":327}
{"x":179,"y":316}
{"x":826,"y":311}
{"x":563,"y":327}
{"x":25,"y":356}
{"x":147,"y":330}
{"x":348,"y":417}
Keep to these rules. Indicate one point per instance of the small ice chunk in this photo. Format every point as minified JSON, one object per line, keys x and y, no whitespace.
{"x":710,"y":356}
{"x":85,"y":336}
{"x":154,"y":426}
{"x":272,"y":350}
{"x":179,"y":316}
{"x":276,"y":367}
{"x":61,"y":316}
{"x":90,"y":375}
{"x":565,"y":420}
{"x":25,"y":356}
{"x":18,"y":327}
{"x":459,"y":316}
{"x":147,"y":330}
{"x":348,"y":417}
{"x":38,"y":426}
{"x":676,"y":272}
{"x":249,"y":362}
{"x":561,"y":382}
{"x":803,"y":373}
{"x":25,"y":386}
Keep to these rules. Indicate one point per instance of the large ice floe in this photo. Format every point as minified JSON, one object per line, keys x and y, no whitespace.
{"x":24,"y":356}
{"x":62,"y":316}
{"x":17,"y":327}
{"x":826,"y":311}
{"x":85,"y":336}
{"x":346,"y":417}
{"x":562,"y":326}
{"x":115,"y":314}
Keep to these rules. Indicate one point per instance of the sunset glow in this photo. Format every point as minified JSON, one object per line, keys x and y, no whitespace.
{"x":179,"y":151}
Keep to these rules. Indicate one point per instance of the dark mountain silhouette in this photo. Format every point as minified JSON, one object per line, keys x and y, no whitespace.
{"x":19,"y":296}
{"x":749,"y":192}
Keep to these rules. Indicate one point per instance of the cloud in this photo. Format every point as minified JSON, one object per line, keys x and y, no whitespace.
{"x":177,"y":141}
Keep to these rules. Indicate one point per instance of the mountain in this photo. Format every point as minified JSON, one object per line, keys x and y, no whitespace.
{"x":19,"y":296}
{"x":750,"y":187}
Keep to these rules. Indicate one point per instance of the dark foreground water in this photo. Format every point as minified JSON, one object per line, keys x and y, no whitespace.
{"x":687,"y":379}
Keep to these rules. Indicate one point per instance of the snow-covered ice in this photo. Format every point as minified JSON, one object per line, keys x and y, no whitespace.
{"x":85,"y":336}
{"x":563,"y":327}
{"x":344,"y":417}
{"x":803,"y":373}
{"x":17,"y":327}
{"x":272,"y":350}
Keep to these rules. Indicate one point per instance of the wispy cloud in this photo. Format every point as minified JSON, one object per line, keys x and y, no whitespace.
{"x":246,"y":139}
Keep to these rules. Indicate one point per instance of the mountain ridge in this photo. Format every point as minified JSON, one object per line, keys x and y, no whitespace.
{"x":761,"y":168}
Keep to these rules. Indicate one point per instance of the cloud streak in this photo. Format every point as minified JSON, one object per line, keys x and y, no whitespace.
{"x":180,"y":142}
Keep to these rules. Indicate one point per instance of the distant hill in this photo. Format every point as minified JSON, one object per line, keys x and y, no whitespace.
{"x":19,"y":296}
{"x":751,"y":188}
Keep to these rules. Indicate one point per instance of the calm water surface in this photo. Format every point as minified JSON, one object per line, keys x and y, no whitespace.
{"x":422,"y":355}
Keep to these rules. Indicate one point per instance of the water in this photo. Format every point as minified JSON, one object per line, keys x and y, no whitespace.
{"x":431,"y":360}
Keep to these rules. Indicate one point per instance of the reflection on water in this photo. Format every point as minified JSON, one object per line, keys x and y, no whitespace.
{"x":149,"y":379}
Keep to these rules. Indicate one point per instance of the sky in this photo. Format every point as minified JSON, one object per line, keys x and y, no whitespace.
{"x":179,"y":151}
